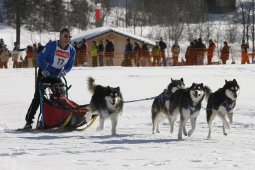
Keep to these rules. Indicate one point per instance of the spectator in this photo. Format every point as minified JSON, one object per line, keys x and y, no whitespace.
{"x":245,"y":56}
{"x":29,"y":56}
{"x":224,"y":52}
{"x":175,"y":52}
{"x":145,"y":56}
{"x":94,"y":53}
{"x":16,"y":55}
{"x":1,"y":45}
{"x":82,"y":57}
{"x":188,"y":54}
{"x":101,"y":53}
{"x":35,"y":53}
{"x":162,"y":46}
{"x":75,"y":45}
{"x":39,"y":48}
{"x":128,"y":54}
{"x":109,"y":53}
{"x":156,"y":55}
{"x":200,"y":52}
{"x":137,"y":54}
{"x":210,"y":51}
{"x":4,"y":57}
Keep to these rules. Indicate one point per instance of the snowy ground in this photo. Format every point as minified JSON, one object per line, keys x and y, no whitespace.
{"x":135,"y":147}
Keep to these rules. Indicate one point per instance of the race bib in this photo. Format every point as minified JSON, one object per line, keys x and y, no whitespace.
{"x":61,"y":57}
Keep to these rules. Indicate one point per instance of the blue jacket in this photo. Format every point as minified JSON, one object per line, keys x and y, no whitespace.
{"x":54,"y":59}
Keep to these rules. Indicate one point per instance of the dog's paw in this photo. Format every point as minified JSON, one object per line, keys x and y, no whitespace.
{"x":190,"y":133}
{"x":225,"y":134}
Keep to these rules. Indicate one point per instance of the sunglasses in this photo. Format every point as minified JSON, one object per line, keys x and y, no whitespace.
{"x":66,"y":36}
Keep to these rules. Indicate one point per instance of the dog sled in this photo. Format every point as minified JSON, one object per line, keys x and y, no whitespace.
{"x":58,"y":113}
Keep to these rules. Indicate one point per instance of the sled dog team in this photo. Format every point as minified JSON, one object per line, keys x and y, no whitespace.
{"x":177,"y":101}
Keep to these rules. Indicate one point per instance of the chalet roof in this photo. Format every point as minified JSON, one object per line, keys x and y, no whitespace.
{"x":92,"y":33}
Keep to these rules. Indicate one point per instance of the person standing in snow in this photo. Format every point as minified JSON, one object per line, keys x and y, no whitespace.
{"x":162,"y":46}
{"x":4,"y":57}
{"x":94,"y":53}
{"x":188,"y":54}
{"x":175,"y":52}
{"x":200,"y":52}
{"x":128,"y":54}
{"x":137,"y":54}
{"x":145,"y":56}
{"x":109,"y":53}
{"x":210,"y":51}
{"x":29,"y":56}
{"x":82,"y":57}
{"x":54,"y":61}
{"x":15,"y":55}
{"x":245,"y":56}
{"x":101,"y":53}
{"x":156,"y":55}
{"x":224,"y":52}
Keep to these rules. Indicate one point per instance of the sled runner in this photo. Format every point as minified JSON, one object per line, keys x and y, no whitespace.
{"x":58,"y":113}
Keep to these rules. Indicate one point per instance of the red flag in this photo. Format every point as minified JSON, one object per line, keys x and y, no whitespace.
{"x":98,"y":12}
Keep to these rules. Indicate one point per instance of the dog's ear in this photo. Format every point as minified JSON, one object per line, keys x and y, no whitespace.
{"x":181,"y":79}
{"x":172,"y":80}
{"x":234,"y":81}
{"x":226,"y":81}
{"x":118,"y":89}
{"x":193,"y":84}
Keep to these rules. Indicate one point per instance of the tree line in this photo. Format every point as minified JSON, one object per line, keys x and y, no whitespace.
{"x":51,"y":15}
{"x":174,"y":15}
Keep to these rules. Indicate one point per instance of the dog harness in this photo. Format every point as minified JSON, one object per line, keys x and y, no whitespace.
{"x":192,"y":109}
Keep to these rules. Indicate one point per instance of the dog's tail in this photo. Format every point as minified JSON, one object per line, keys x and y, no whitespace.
{"x":208,"y":91}
{"x":91,"y":84}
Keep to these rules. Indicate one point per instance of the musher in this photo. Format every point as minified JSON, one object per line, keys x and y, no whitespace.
{"x":54,"y":62}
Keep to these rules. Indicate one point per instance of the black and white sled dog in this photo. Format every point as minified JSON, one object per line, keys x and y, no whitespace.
{"x":160,"y":105}
{"x":186,"y":103}
{"x":107,"y":102}
{"x":221,"y":103}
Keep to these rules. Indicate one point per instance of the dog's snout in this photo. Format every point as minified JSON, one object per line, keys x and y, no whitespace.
{"x":196,"y":93}
{"x":114,"y":101}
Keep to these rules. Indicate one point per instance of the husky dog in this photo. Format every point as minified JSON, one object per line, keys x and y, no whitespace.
{"x":222,"y":103}
{"x":160,"y":106}
{"x":186,"y":103}
{"x":107,"y":102}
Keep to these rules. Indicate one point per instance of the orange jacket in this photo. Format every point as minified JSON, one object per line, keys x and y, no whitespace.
{"x":211,"y":48}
